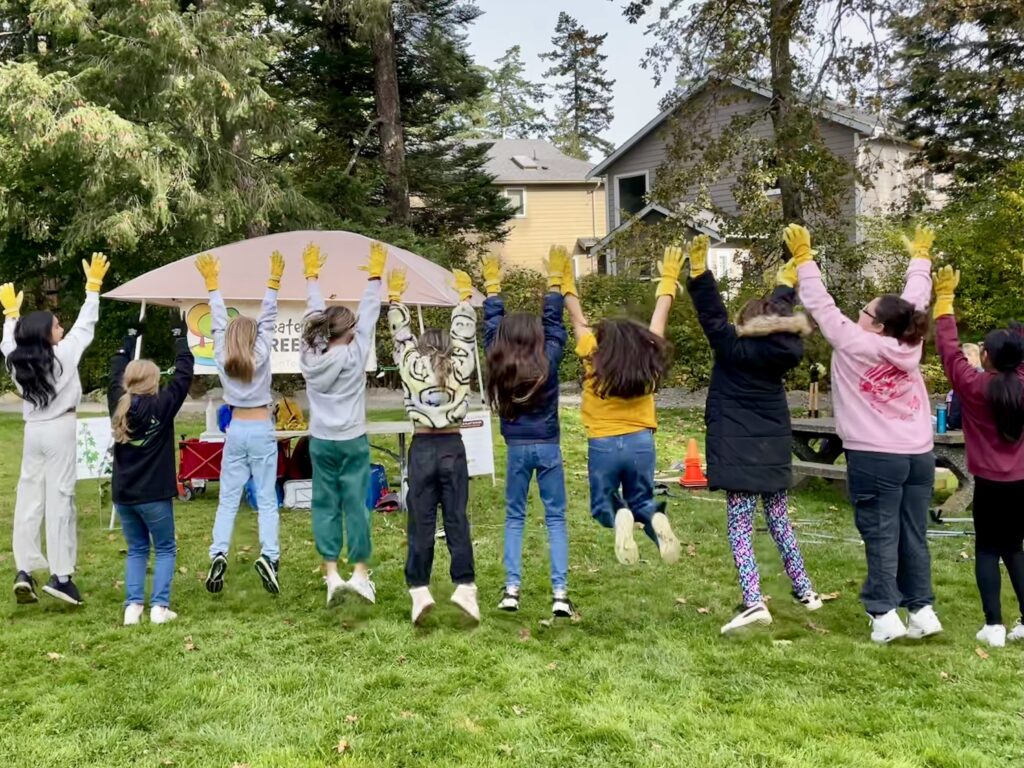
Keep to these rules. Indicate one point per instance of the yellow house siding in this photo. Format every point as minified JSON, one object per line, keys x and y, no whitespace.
{"x":556,"y":214}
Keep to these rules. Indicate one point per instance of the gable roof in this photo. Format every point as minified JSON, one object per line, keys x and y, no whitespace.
{"x":704,"y":222}
{"x":853,"y":118}
{"x":509,"y":161}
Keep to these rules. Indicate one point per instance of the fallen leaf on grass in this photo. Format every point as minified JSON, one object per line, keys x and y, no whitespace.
{"x":680,"y":601}
{"x":576,"y":617}
{"x":402,"y":659}
{"x":518,"y":711}
{"x":944,"y":675}
{"x":239,"y":765}
{"x":766,"y":598}
{"x":703,"y":611}
{"x":405,"y":714}
{"x":545,"y":622}
{"x":830,"y":596}
{"x":524,"y":635}
{"x":782,"y":643}
{"x":183,"y":571}
{"x":351,"y":718}
{"x":246,"y":548}
{"x":553,"y":665}
{"x":964,"y":555}
{"x":505,"y":749}
{"x":820,"y":630}
{"x":316,"y":570}
{"x":167,"y":762}
{"x":982,"y":654}
{"x":342,"y":747}
{"x":118,"y":583}
{"x":54,"y":656}
{"x":189,"y":645}
{"x":691,"y":550}
{"x":471,"y":726}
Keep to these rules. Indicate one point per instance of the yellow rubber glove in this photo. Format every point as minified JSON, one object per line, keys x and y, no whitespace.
{"x":397,"y":284}
{"x":11,"y":301}
{"x":492,"y":275}
{"x":920,"y":247}
{"x":209,"y":267}
{"x":554,"y":266}
{"x":787,"y":274}
{"x":698,"y":252}
{"x":276,"y":270}
{"x":670,"y":267}
{"x":378,"y":258}
{"x":95,"y":271}
{"x":945,"y":281}
{"x":798,"y":241}
{"x":568,"y":275}
{"x":312,"y":261}
{"x":463,"y":285}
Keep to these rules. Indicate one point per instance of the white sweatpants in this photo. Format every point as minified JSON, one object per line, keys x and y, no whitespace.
{"x":46,"y":491}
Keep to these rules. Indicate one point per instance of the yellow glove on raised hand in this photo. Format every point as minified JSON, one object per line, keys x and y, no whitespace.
{"x":396,"y":284}
{"x":492,"y":275}
{"x":463,"y":285}
{"x":95,"y":271}
{"x":921,"y":246}
{"x":698,"y":252}
{"x":945,"y":281}
{"x":312,"y":261}
{"x":374,"y":266}
{"x":787,"y":274}
{"x":11,"y":301}
{"x":209,"y":267}
{"x":568,"y":276}
{"x":276,"y":270}
{"x":798,"y":241}
{"x":670,"y":267}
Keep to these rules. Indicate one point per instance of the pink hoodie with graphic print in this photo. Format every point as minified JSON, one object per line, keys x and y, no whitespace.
{"x":878,"y":394}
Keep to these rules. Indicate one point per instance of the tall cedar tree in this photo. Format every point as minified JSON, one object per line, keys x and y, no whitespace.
{"x":517,"y":111}
{"x":583,"y":88}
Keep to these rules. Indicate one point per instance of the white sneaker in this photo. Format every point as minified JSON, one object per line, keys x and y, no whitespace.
{"x":561,"y":605}
{"x":464,"y":596}
{"x":993,"y":635}
{"x":625,"y":545}
{"x":668,"y":544}
{"x":133,"y":614}
{"x":755,"y":614}
{"x":422,"y":602}
{"x":363,"y":586}
{"x":160,"y":614}
{"x":509,"y":599}
{"x":1017,"y":633}
{"x":887,"y":627}
{"x":335,"y":588}
{"x":923,"y":623}
{"x":809,"y":600}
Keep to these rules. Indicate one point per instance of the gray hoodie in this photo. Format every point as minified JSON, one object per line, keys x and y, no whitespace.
{"x":336,"y":376}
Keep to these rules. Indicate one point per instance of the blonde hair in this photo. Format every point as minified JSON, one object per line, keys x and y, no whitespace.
{"x":437,"y":347}
{"x":239,"y":348}
{"x":321,"y":328}
{"x":973,"y":354}
{"x":141,"y":377}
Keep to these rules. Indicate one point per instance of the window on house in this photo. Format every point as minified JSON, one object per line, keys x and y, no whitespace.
{"x":517,"y":200}
{"x":631,"y":192}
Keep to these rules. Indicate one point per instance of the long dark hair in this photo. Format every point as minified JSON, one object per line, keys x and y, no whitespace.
{"x":630,"y":360}
{"x":900,"y":320}
{"x":1005,"y":351}
{"x":32,"y":363}
{"x":516,"y":365}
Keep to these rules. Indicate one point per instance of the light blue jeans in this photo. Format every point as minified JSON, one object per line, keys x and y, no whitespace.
{"x":250,"y":449}
{"x":140,"y":523}
{"x":546,"y":460}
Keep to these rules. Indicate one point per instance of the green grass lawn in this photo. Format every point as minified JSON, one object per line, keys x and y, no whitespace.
{"x":643,"y":679}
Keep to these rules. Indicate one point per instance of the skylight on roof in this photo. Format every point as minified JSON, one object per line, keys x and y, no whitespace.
{"x":525,"y":161}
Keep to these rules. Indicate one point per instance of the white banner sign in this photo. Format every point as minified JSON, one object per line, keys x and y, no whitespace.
{"x":95,"y":442}
{"x":478,"y":437}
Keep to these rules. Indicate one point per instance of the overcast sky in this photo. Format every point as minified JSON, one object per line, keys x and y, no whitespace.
{"x":531,"y":23}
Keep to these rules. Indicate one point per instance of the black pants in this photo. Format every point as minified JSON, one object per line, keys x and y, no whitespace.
{"x":438,"y":475}
{"x":891,"y":493}
{"x":999,"y":535}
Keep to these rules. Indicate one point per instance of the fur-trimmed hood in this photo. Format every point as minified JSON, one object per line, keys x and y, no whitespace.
{"x":766,"y":325}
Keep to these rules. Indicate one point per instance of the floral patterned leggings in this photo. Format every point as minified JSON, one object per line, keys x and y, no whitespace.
{"x":741,"y":508}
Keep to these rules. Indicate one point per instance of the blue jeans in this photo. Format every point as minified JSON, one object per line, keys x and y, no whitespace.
{"x":546,"y":459}
{"x":625,"y":461}
{"x":140,"y":523}
{"x":250,"y":449}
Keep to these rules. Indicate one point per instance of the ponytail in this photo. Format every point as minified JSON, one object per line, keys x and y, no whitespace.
{"x":1005,"y":352}
{"x":321,"y":328}
{"x":900,"y":320}
{"x":437,"y":347}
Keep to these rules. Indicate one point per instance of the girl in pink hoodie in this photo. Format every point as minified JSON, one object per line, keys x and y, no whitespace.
{"x":883,"y":417}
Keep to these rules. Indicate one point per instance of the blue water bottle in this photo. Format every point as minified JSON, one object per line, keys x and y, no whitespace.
{"x":940,"y":419}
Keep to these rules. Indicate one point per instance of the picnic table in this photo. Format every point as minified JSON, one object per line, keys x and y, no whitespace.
{"x":817,"y":446}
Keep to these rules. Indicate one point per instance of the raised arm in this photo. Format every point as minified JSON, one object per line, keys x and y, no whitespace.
{"x":369,"y":304}
{"x":837,"y":329}
{"x":958,"y":369}
{"x":268,"y":311}
{"x":78,"y":339}
{"x":670,"y":268}
{"x":918,"y":288}
{"x":208,"y":266}
{"x":494,"y":305}
{"x":711,"y":312}
{"x":172,"y":397}
{"x":463,"y":330}
{"x":118,"y":362}
{"x":399,"y":320}
{"x":11,"y":301}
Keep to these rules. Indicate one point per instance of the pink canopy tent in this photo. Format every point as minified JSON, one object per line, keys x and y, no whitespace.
{"x":244,"y":267}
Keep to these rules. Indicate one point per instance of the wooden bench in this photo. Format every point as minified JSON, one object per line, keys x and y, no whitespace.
{"x":802,"y":470}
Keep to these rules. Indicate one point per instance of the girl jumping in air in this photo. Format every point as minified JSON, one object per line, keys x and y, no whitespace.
{"x":523,"y":355}
{"x":43,"y":363}
{"x":241,"y":350}
{"x":145,"y":480}
{"x":623,"y":363}
{"x":336,"y":346}
{"x":437,"y":370}
{"x":883,"y":418}
{"x":749,"y":438}
{"x":992,"y":404}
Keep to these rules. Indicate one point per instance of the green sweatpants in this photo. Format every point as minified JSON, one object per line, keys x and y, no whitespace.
{"x":341,"y":475}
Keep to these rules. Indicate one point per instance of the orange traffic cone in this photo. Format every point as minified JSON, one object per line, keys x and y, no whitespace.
{"x":693,"y":477}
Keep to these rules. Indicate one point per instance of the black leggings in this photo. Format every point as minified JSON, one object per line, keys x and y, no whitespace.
{"x":999,"y":530}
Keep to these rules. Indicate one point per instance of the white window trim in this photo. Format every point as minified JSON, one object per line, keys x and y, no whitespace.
{"x":617,"y":211}
{"x":506,"y":190}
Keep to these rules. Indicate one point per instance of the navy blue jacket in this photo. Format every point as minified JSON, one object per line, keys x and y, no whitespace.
{"x":540,"y":425}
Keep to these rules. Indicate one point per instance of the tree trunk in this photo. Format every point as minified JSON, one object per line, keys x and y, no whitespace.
{"x":389,"y":111}
{"x":787,"y":134}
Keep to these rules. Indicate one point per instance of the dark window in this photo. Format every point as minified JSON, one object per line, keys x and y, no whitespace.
{"x":632,"y":191}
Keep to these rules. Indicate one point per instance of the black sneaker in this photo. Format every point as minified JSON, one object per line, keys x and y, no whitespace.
{"x":66,"y":591}
{"x":25,"y":588}
{"x":215,"y":577}
{"x":509,"y":599}
{"x":267,"y":569}
{"x":561,"y":606}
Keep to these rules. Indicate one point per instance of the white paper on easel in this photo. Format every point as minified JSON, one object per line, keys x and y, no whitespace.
{"x":95,"y":444}
{"x":478,"y":437}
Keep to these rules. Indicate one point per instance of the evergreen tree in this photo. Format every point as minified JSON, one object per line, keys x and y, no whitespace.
{"x":517,"y":102}
{"x":584,"y":89}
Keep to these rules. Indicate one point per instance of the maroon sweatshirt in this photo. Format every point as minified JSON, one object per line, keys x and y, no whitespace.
{"x":988,"y":455}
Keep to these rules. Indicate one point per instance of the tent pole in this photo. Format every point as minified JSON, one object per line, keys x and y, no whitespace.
{"x":419,"y":314}
{"x":138,"y":341}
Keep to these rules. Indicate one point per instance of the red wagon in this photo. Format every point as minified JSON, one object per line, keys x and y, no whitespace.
{"x":199,"y":462}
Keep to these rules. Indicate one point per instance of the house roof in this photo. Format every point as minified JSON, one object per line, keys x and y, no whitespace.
{"x":853,"y":118}
{"x":532,"y":161}
{"x":703,"y":221}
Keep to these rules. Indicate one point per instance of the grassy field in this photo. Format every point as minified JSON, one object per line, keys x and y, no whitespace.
{"x":643,"y":679}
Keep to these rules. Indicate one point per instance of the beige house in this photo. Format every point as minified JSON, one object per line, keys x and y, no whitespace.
{"x":555,"y":203}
